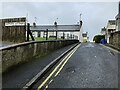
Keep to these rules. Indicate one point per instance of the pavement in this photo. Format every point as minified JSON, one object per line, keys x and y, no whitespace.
{"x":22,"y":74}
{"x":5,"y":44}
{"x":89,"y":65}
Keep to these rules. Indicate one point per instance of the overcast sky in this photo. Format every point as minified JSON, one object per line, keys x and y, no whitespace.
{"x":94,"y":14}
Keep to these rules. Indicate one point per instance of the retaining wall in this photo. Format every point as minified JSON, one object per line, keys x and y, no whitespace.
{"x":115,"y":39}
{"x":23,"y":52}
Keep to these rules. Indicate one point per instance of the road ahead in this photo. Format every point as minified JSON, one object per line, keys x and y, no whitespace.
{"x":89,"y":65}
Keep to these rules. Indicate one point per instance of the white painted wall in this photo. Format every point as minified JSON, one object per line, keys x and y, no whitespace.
{"x":107,"y":30}
{"x":80,"y":35}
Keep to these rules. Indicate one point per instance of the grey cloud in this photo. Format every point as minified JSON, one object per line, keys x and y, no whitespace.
{"x":94,"y":15}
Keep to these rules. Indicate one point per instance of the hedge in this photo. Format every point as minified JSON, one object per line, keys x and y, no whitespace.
{"x":98,"y":38}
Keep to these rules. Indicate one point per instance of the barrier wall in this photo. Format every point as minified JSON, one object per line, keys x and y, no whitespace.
{"x":115,"y":39}
{"x":23,"y":52}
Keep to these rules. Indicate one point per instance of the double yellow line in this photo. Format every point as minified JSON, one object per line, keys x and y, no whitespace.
{"x":65,"y":59}
{"x":111,"y":49}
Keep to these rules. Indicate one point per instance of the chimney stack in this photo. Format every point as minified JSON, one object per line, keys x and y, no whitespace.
{"x":34,"y":24}
{"x":55,"y":23}
{"x":80,"y":23}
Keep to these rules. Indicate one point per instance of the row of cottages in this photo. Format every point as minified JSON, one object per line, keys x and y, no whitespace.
{"x":61,"y":31}
{"x":113,"y":26}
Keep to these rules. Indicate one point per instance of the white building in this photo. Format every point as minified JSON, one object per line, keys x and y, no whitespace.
{"x":117,"y":22}
{"x":111,"y":27}
{"x":66,"y":31}
{"x":103,"y":31}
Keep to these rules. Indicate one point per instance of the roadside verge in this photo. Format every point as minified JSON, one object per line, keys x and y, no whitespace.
{"x":45,"y":70}
{"x":111,"y":48}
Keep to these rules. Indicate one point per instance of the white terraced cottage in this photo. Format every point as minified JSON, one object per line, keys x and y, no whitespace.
{"x":68,"y":31}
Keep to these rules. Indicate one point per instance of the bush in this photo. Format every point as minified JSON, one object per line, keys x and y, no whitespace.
{"x":98,"y":38}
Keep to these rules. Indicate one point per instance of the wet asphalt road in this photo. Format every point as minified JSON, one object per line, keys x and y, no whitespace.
{"x":22,"y":74}
{"x":91,"y":66}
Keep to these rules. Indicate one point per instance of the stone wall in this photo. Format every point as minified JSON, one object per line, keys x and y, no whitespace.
{"x":115,"y":39}
{"x":23,"y":52}
{"x":12,"y":30}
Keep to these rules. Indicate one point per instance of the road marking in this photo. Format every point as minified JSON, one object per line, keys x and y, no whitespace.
{"x":64,"y":64}
{"x":57,"y":68}
{"x":50,"y":81}
{"x":46,"y":86}
{"x":111,"y":49}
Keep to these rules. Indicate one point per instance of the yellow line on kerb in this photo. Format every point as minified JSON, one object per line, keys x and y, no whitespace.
{"x":111,"y":49}
{"x":57,"y":68}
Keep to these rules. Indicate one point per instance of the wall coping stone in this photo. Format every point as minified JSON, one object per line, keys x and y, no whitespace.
{"x":30,"y":42}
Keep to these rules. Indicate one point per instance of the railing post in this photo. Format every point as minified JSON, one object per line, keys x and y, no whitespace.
{"x":46,"y":34}
{"x":56,"y":34}
{"x":63,"y":35}
{"x":28,"y":29}
{"x":29,"y":33}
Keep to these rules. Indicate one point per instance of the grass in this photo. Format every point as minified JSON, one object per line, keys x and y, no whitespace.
{"x":40,"y":39}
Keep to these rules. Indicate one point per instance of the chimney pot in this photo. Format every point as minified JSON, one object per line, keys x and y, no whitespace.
{"x":34,"y":24}
{"x":55,"y":23}
{"x":80,"y":23}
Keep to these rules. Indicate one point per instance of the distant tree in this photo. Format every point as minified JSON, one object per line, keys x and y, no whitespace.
{"x":98,"y":38}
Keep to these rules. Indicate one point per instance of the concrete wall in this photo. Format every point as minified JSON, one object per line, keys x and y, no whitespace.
{"x":115,"y":39}
{"x":23,"y":52}
{"x":12,"y":30}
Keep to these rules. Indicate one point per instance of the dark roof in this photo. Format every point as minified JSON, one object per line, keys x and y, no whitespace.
{"x":54,"y":28}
